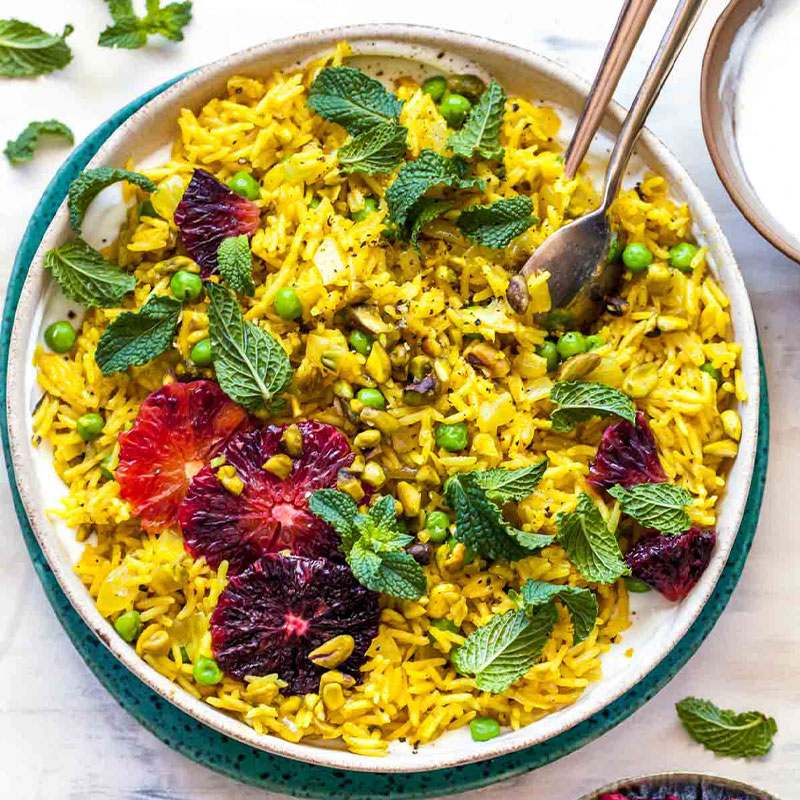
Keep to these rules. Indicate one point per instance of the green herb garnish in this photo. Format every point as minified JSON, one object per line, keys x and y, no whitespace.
{"x":481,"y":132}
{"x":373,"y":543}
{"x":26,"y":51}
{"x":86,"y":277}
{"x":497,"y":224}
{"x":23,"y":147}
{"x":377,"y":150}
{"x":235,"y":264}
{"x":130,"y":32}
{"x":90,"y":183}
{"x":581,"y":604}
{"x":426,"y":210}
{"x":577,"y":401}
{"x":589,"y":544}
{"x":746,"y":735}
{"x":137,"y":337}
{"x":655,"y":505}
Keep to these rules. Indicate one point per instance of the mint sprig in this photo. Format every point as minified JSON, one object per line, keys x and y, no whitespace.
{"x":480,"y":134}
{"x":497,"y":224}
{"x":724,"y":732}
{"x":130,"y":32}
{"x":424,"y":211}
{"x":581,"y":604}
{"x":86,"y":277}
{"x":26,"y":50}
{"x":137,"y":337}
{"x":23,"y":147}
{"x":90,"y":183}
{"x":375,"y":151}
{"x":373,"y":543}
{"x":252,"y":367}
{"x":235,"y":264}
{"x":589,"y":544}
{"x":505,"y":485}
{"x":577,"y":401}
{"x":655,"y":505}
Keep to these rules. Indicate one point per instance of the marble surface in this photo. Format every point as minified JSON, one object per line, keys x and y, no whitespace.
{"x":62,"y":736}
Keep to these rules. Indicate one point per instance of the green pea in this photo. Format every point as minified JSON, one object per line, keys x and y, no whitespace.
{"x":371,"y":398}
{"x":484,"y":728}
{"x":245,"y":184}
{"x":315,"y":201}
{"x":206,"y":671}
{"x":445,"y":625}
{"x":681,"y":257}
{"x":200,"y":354}
{"x":549,"y":352}
{"x":435,"y":87}
{"x":89,"y":426}
{"x":571,"y":344}
{"x":360,"y":342}
{"x":60,"y":336}
{"x":186,"y":286}
{"x":471,"y":86}
{"x":636,"y":586}
{"x":438,"y":525}
{"x":637,"y":257}
{"x":615,"y":249}
{"x":711,"y":370}
{"x":594,"y":341}
{"x":128,"y":625}
{"x":146,"y":209}
{"x":454,"y":108}
{"x":370,"y":207}
{"x":287,"y":303}
{"x":451,"y":437}
{"x":105,"y":469}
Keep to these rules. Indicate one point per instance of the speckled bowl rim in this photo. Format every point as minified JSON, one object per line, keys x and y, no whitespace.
{"x":328,"y":757}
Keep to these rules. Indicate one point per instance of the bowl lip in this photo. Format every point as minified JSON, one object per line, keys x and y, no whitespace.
{"x":663,"y":777}
{"x":234,"y":728}
{"x":745,"y":199}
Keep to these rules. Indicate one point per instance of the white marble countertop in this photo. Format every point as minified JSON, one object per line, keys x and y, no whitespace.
{"x":62,"y":737}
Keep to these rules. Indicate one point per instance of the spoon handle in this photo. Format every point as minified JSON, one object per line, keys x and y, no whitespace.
{"x":671,"y":45}
{"x":630,"y":24}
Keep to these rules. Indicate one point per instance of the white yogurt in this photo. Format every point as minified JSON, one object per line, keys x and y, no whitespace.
{"x":767,"y":114}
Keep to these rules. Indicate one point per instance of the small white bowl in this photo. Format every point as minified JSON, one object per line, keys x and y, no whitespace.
{"x":659,"y":625}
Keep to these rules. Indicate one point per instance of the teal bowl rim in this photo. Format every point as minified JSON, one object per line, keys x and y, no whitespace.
{"x":226,"y":756}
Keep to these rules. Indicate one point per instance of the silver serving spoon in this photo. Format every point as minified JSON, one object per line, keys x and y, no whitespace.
{"x":576,"y":255}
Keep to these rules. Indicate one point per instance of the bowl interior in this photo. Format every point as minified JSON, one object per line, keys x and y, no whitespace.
{"x":684,"y":786}
{"x":658,"y":625}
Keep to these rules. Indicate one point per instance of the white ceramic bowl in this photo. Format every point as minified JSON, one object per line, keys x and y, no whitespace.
{"x":658,"y":625}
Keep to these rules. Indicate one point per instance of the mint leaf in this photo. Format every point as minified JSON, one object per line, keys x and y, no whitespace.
{"x":481,"y":132}
{"x":252,"y":368}
{"x":589,"y":544}
{"x":504,"y":485}
{"x":129,"y":32}
{"x":26,"y":50}
{"x":425,"y":210}
{"x":338,"y":509}
{"x":577,"y":401}
{"x":168,"y":21}
{"x":380,"y":527}
{"x":497,"y":224}
{"x":136,"y":337}
{"x":235,"y":263}
{"x":503,"y":650}
{"x":86,"y":277}
{"x":352,"y":99}
{"x":726,"y":733}
{"x":89,"y":184}
{"x":480,"y":525}
{"x":655,"y":505}
{"x":397,"y":574}
{"x":22,"y":148}
{"x":377,"y":150}
{"x":581,"y":604}
{"x":416,"y":177}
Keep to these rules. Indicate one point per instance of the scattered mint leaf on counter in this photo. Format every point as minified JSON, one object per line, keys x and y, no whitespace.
{"x":577,"y":401}
{"x":425,"y":210}
{"x":252,"y":367}
{"x":27,"y":51}
{"x":481,"y":132}
{"x":137,"y":337}
{"x":726,"y":733}
{"x":581,"y":604}
{"x":373,"y":543}
{"x":503,"y":650}
{"x":497,"y":224}
{"x":24,"y":146}
{"x":352,"y":99}
{"x":235,"y":264}
{"x":655,"y":505}
{"x":375,"y":151}
{"x":90,"y":183}
{"x":86,"y":277}
{"x":130,"y":32}
{"x":504,"y":485}
{"x":589,"y":544}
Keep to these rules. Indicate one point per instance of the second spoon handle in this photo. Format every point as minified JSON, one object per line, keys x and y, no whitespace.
{"x":630,"y":24}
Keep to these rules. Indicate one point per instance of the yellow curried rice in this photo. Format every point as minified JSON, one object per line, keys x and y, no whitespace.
{"x":409,"y":689}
